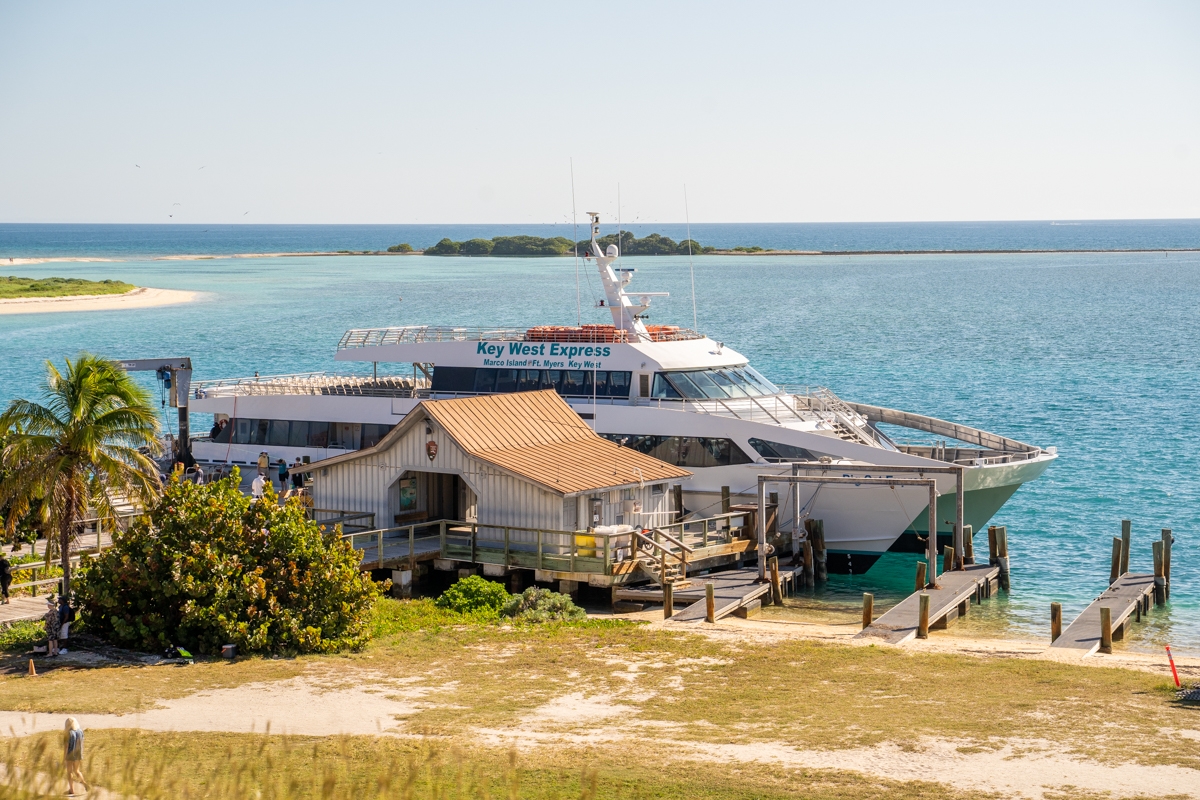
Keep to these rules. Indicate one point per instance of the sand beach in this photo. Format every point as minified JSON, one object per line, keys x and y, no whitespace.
{"x":142,"y":297}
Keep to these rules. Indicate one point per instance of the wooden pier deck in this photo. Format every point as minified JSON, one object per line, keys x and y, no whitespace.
{"x":732,"y":589}
{"x":1121,"y":599}
{"x":899,"y":625}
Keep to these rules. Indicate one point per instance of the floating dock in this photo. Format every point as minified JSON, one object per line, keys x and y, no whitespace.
{"x":899,"y":625}
{"x":733,"y":589}
{"x":1122,"y":599}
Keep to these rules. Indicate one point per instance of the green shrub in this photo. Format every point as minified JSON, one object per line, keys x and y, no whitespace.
{"x":403,"y":247}
{"x":446,"y":247}
{"x":536,"y":604}
{"x":474,"y":595}
{"x":209,"y":566}
{"x":476,"y":247}
{"x":19,"y":636}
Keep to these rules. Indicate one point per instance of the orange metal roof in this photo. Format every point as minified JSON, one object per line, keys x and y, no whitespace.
{"x":538,"y":436}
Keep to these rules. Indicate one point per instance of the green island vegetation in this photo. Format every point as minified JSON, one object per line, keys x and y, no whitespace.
{"x":14,"y":286}
{"x":651,"y":245}
{"x":403,"y":247}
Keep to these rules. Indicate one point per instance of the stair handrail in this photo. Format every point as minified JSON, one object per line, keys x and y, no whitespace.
{"x":673,"y":541}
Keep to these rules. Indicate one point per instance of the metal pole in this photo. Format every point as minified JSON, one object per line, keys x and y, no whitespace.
{"x":795,"y":511}
{"x":761,"y":524}
{"x":959,"y":491}
{"x":931,"y":544}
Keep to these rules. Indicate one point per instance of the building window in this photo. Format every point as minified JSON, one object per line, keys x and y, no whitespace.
{"x":658,"y":488}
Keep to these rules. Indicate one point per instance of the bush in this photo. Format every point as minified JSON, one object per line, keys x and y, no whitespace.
{"x":536,"y":604}
{"x":446,"y":247}
{"x":474,"y":595}
{"x":403,"y":247}
{"x":476,"y":247}
{"x":209,"y":566}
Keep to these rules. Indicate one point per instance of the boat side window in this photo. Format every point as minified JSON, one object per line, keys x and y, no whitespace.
{"x":727,"y":382}
{"x":618,"y":384}
{"x":550,"y":379}
{"x":318,"y":434}
{"x":485,"y":381}
{"x":777,"y":451}
{"x":226,"y":434}
{"x":299,"y":435}
{"x":686,"y":386}
{"x":684,"y":451}
{"x":528,"y":379}
{"x":575,"y":382}
{"x":372,"y":433}
{"x":708,"y":385}
{"x":663,"y":387}
{"x":506,"y":381}
{"x":453,"y":379}
{"x":601,"y":383}
{"x":277,"y":434}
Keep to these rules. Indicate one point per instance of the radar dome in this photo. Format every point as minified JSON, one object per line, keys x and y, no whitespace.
{"x":611,"y":251}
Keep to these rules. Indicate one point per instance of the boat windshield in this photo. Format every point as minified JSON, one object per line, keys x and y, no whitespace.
{"x":718,"y":384}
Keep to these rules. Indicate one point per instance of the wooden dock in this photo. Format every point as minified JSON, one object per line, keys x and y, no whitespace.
{"x":899,"y":625}
{"x":1122,"y":599}
{"x":733,"y":589}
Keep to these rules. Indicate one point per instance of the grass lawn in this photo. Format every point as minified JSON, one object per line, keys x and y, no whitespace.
{"x":16,"y":287}
{"x":484,"y":685}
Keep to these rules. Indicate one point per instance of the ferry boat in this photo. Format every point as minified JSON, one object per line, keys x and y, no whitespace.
{"x":667,"y":391}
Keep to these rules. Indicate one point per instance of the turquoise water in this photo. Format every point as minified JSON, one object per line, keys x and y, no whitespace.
{"x":1098,"y":354}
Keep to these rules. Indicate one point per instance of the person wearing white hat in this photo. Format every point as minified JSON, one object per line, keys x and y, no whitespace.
{"x":52,"y":626}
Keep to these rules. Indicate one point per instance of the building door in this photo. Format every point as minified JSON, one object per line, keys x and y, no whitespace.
{"x":442,"y":493}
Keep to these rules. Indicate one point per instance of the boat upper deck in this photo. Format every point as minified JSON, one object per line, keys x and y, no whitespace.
{"x":585,"y":334}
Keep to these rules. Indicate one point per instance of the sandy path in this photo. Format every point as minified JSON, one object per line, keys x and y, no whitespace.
{"x":299,"y":707}
{"x":138,"y":298}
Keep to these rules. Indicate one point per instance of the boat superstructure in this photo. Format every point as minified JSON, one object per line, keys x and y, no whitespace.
{"x":667,"y":391}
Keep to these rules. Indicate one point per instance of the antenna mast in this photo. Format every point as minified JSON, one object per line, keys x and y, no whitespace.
{"x":691,"y":270}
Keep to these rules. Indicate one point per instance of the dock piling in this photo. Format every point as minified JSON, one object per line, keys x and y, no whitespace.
{"x":968,"y":545}
{"x":920,"y":576}
{"x":776,"y":589}
{"x":820,"y":561}
{"x":710,"y":603}
{"x":668,"y":600}
{"x":868,"y":609}
{"x":1055,"y":621}
{"x":1002,"y":556}
{"x":923,"y":617}
{"x":809,"y":561}
{"x":1115,"y":571}
{"x":1126,"y":538}
{"x":948,"y":559}
{"x":1167,"y":539}
{"x":1160,"y":582}
{"x":991,"y":544}
{"x":1105,"y":629}
{"x":724,"y":499}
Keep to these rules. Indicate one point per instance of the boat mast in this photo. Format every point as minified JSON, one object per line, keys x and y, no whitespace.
{"x":627,"y":315}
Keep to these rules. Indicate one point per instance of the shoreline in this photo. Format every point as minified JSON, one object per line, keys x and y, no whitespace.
{"x":23,"y":261}
{"x":141,"y":297}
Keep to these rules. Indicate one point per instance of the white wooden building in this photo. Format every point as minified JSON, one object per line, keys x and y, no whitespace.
{"x":523,"y":459}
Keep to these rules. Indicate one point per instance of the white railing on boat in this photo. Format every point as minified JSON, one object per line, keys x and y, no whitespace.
{"x":420,"y":334}
{"x":310,"y":383}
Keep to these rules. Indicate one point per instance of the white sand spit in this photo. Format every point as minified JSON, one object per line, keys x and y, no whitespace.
{"x":138,"y":298}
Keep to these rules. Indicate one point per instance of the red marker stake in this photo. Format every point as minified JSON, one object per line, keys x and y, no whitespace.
{"x":1174,"y":673}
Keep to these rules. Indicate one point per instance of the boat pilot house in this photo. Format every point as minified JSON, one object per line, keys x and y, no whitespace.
{"x":522,"y":472}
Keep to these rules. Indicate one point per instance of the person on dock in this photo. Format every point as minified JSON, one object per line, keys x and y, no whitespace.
{"x":5,"y":576}
{"x":264,"y":463}
{"x":283,"y":476}
{"x":297,"y":477}
{"x":258,"y":486}
{"x":73,"y":755}
{"x":52,"y":627}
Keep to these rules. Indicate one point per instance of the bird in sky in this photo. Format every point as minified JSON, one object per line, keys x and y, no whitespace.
{"x":139,"y":166}
{"x":176,"y":204}
{"x":246,"y":213}
{"x":202,"y":167}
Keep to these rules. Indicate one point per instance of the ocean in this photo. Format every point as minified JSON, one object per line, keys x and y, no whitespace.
{"x":1097,"y":354}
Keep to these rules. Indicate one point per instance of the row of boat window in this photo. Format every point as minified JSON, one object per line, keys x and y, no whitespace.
{"x":701,"y":451}
{"x":567,"y":382}
{"x":302,"y":433}
{"x":713,"y":384}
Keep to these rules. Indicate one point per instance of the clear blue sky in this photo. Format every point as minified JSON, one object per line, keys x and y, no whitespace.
{"x":463,"y":112}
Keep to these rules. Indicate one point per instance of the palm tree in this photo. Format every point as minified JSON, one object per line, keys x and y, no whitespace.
{"x":78,"y":448}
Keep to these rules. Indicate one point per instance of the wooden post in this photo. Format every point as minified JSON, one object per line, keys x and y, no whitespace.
{"x":1160,"y":582}
{"x":959,"y":505}
{"x":821,"y":557}
{"x":677,"y":490}
{"x":931,"y":544}
{"x":1105,"y":629}
{"x":1055,"y":621}
{"x":1167,"y":539}
{"x":809,"y":576}
{"x":1114,"y":571}
{"x":920,"y":575}
{"x":1002,"y":555}
{"x":710,"y":603}
{"x":724,"y":499}
{"x":991,"y":544}
{"x":868,"y":609}
{"x":923,"y":616}
{"x":1126,"y":538}
{"x":776,"y":589}
{"x":968,"y":545}
{"x":668,"y":600}
{"x":948,"y":559}
{"x":794,"y":491}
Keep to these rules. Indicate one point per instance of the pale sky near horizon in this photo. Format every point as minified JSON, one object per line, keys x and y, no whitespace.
{"x":465,"y":112}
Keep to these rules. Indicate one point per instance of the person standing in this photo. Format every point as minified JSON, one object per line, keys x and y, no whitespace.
{"x":258,"y":486}
{"x":264,"y":463}
{"x":66,"y":615}
{"x":73,"y":755}
{"x":297,"y":477}
{"x":283,"y":476}
{"x":52,"y":627}
{"x":5,"y":576}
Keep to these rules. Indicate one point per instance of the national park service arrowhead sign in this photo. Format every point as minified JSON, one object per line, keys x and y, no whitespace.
{"x":431,"y":449}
